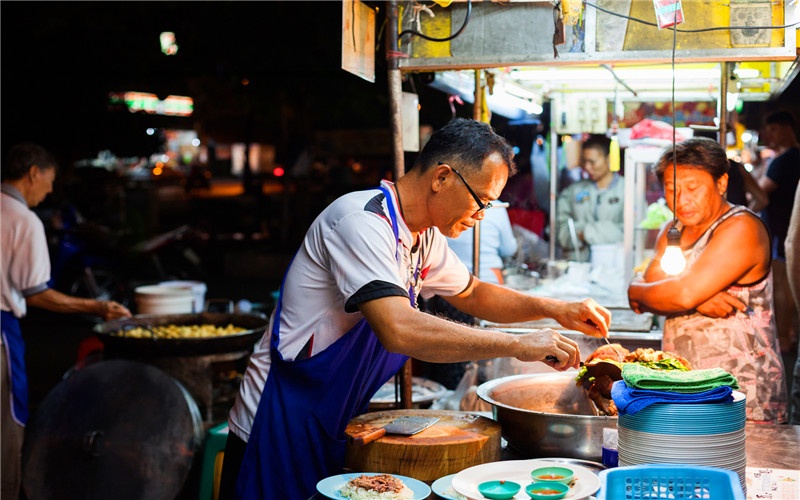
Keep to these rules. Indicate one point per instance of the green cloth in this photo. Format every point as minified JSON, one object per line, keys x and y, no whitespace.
{"x":641,"y":377}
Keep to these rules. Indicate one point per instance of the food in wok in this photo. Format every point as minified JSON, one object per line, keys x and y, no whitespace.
{"x":181,"y":331}
{"x":604,"y":366}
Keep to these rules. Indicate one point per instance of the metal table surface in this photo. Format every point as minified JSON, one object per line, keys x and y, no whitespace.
{"x":775,"y":446}
{"x":767,"y":445}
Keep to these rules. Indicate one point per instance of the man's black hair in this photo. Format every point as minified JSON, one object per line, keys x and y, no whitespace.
{"x":22,"y":157}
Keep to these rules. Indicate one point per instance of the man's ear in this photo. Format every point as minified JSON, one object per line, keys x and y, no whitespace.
{"x":439,"y":176}
{"x":33,"y":172}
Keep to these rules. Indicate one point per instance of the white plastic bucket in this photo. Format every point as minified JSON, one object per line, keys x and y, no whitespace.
{"x":198,"y":289}
{"x":155,"y":299}
{"x":609,"y":257}
{"x":578,"y":273}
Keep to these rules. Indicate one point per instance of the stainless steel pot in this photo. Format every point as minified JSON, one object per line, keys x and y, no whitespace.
{"x":545,"y":414}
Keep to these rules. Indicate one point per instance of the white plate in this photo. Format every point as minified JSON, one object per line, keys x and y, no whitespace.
{"x":444,"y":488}
{"x":330,"y":486}
{"x":466,"y":482}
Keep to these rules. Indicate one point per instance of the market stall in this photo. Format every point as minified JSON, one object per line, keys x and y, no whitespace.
{"x":514,"y":52}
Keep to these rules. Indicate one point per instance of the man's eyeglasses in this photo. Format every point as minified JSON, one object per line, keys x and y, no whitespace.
{"x":481,"y":206}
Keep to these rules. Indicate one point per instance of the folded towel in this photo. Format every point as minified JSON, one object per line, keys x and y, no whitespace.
{"x":641,"y":377}
{"x":630,"y":400}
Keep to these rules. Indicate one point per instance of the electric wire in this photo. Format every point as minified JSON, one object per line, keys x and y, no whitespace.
{"x":674,"y":127}
{"x":447,"y":38}
{"x":698,"y":30}
{"x":618,"y":79}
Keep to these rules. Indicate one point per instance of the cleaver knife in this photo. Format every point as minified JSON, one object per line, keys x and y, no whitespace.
{"x":405,"y":426}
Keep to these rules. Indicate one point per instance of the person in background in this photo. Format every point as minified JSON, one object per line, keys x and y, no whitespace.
{"x":725,"y":291}
{"x":743,"y":188}
{"x":346,"y":319}
{"x":497,"y":243}
{"x":595,"y":205}
{"x":28,"y":175}
{"x":780,"y":183}
{"x":793,"y":271}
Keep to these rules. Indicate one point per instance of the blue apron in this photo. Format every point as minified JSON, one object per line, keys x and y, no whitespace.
{"x":15,"y":355}
{"x":298,"y":435}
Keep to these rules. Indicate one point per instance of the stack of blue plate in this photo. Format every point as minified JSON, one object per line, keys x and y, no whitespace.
{"x":710,"y":434}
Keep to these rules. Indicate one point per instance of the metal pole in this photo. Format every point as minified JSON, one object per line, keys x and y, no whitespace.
{"x":478,"y":104}
{"x":476,"y":249}
{"x":395,"y":101}
{"x":553,"y":187}
{"x":723,"y":105}
{"x":476,"y":234}
{"x":395,"y":90}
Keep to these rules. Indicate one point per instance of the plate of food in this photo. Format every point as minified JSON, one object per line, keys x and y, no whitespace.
{"x":373,"y":486}
{"x":444,"y":488}
{"x":584,"y":484}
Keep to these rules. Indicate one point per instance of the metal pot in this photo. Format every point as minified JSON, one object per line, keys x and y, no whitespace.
{"x":546,"y":414}
{"x":423,"y":393}
{"x":113,"y":340}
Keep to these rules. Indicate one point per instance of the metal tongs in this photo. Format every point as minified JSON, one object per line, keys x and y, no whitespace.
{"x":574,"y":236}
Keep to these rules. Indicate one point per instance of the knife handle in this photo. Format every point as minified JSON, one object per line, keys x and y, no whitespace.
{"x":367,"y":436}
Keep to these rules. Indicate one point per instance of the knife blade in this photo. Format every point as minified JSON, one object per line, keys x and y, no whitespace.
{"x":406,"y":426}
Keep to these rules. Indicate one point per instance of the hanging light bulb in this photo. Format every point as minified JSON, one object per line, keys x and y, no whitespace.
{"x":673,"y":262}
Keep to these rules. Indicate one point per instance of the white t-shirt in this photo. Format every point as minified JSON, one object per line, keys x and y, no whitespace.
{"x":24,"y":254}
{"x":347,"y":257}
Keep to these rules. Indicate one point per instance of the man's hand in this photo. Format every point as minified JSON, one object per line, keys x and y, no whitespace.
{"x":109,"y":309}
{"x":721,"y":305}
{"x":551,"y":348}
{"x":587,"y":317}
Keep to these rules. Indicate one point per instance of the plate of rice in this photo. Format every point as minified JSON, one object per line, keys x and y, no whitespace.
{"x":373,"y":486}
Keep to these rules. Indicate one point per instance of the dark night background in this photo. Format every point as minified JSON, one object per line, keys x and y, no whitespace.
{"x":61,"y":59}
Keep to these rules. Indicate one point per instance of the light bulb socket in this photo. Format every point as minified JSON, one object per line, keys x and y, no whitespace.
{"x":674,"y":237}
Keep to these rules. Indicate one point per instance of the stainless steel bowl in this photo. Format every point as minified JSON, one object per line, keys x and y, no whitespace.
{"x":545,"y":414}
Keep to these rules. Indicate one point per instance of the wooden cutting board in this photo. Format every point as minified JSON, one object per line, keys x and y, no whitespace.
{"x":457,"y":441}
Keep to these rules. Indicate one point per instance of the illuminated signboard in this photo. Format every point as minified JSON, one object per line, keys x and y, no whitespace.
{"x":173,"y":105}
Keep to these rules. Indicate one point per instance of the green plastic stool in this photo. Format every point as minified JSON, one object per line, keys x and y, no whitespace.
{"x":213,"y":453}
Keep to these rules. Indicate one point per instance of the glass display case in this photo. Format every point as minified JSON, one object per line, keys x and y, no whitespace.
{"x":642,"y":188}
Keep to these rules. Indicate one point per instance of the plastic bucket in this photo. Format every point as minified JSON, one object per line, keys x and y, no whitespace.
{"x":198,"y":289}
{"x":609,"y":257}
{"x":578,"y":273}
{"x":156,"y":299}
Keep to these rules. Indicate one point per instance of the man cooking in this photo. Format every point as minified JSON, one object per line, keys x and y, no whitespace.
{"x":347,"y":318}
{"x":28,"y":176}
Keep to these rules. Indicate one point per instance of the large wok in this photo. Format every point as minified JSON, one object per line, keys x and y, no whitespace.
{"x":117,"y":343}
{"x":546,"y":415}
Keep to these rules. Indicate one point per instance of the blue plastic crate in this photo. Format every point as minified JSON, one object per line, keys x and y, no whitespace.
{"x":667,"y":481}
